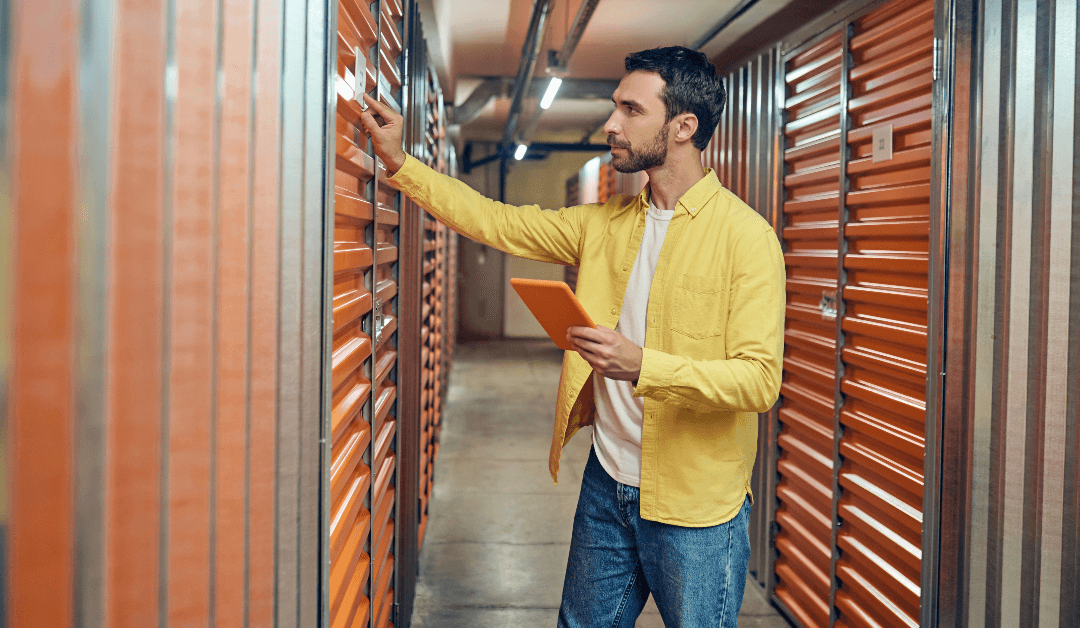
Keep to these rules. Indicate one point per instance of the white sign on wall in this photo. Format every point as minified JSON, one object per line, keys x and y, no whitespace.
{"x":882,"y":143}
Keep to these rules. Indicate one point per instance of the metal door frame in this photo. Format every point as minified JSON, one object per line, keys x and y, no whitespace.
{"x":954,"y":149}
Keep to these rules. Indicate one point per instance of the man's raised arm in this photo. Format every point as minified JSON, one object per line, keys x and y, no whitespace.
{"x":528,"y":231}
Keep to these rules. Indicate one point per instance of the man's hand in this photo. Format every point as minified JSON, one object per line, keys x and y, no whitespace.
{"x":610,"y":353}
{"x":385,"y":133}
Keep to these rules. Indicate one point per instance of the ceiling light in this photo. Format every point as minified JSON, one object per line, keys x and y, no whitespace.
{"x":552,"y":89}
{"x":520,"y":152}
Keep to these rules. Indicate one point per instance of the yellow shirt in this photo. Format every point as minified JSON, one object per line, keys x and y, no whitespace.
{"x":714,"y":330}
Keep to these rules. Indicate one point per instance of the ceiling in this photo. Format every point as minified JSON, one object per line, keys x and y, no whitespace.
{"x":472,"y":39}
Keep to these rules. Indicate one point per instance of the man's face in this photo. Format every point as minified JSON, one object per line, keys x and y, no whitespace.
{"x":638,"y":130}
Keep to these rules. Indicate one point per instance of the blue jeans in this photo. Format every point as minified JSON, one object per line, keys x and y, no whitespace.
{"x":696,"y":575}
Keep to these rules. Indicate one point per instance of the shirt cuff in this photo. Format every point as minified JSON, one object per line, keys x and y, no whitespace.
{"x":657,"y":372}
{"x":406,"y":176}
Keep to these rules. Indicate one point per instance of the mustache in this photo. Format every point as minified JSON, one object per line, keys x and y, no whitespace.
{"x":614,"y":142}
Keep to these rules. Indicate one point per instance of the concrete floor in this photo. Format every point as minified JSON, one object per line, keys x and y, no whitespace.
{"x":499,"y":534}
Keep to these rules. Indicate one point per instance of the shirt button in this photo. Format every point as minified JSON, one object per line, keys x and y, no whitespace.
{"x":612,"y":310}
{"x":624,"y":267}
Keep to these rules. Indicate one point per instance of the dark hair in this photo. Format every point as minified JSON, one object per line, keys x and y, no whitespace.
{"x":691,"y":85}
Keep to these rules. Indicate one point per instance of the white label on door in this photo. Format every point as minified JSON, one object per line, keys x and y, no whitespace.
{"x":882,"y":143}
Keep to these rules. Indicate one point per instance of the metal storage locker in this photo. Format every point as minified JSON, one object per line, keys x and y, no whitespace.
{"x":350,"y":544}
{"x":856,"y":227}
{"x":434,"y":280}
{"x":810,"y":209}
{"x":884,"y":290}
{"x":385,"y":325}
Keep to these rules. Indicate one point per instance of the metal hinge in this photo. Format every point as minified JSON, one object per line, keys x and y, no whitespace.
{"x":394,"y":614}
{"x":937,"y":59}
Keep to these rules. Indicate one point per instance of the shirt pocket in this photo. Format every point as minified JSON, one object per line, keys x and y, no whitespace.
{"x":700,"y":306}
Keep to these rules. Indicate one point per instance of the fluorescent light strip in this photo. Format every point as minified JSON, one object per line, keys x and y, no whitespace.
{"x":552,"y":89}
{"x":520,"y":152}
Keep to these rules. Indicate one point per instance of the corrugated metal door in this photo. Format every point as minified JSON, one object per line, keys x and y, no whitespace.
{"x":386,"y":291}
{"x":811,"y":215}
{"x":857,"y":185}
{"x":434,"y":280}
{"x":884,"y":323}
{"x":351,"y":433}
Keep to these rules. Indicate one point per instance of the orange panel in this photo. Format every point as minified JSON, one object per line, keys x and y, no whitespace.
{"x":43,"y":318}
{"x":353,"y":301}
{"x":885,"y":324}
{"x":811,"y":216}
{"x":191,"y":334}
{"x":353,"y":563}
{"x":347,"y":510}
{"x":136,"y":322}
{"x":347,"y":455}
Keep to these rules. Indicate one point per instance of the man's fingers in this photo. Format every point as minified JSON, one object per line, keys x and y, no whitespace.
{"x":383,"y":110}
{"x":588,"y":333}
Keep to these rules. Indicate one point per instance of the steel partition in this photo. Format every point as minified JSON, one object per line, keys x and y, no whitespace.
{"x":1010,"y":519}
{"x":176,"y":478}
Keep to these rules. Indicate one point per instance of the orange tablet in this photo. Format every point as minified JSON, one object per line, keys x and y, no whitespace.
{"x":555,"y":306}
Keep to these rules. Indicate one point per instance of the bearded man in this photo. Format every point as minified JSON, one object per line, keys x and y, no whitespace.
{"x":686,"y":284}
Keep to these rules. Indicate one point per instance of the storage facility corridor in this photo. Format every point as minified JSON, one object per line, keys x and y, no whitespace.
{"x":262,"y":363}
{"x":495,"y":550}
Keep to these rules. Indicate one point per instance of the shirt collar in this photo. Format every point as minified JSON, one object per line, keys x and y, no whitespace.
{"x":695,"y":199}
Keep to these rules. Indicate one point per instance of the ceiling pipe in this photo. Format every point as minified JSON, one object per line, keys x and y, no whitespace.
{"x":529,"y":54}
{"x":577,"y":29}
{"x":724,"y":22}
{"x":559,"y":63}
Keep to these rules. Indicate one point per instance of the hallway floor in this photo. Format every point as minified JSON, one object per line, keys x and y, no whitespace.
{"x":499,"y":534}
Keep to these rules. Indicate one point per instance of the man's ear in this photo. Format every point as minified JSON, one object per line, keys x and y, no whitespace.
{"x":686,"y":125}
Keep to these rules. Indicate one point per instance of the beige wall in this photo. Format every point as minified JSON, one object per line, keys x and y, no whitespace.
{"x":489,"y":307}
{"x":480,"y":268}
{"x":540,"y":183}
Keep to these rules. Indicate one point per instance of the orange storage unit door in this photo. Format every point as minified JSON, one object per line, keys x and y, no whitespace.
{"x":434,"y":292}
{"x":352,"y":362}
{"x":811,"y":212}
{"x":884,"y":322}
{"x":388,"y":59}
{"x":856,"y":233}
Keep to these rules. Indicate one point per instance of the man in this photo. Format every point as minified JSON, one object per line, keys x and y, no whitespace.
{"x":686,"y":284}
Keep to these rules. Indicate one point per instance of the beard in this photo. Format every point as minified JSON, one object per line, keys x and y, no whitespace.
{"x":651,"y":156}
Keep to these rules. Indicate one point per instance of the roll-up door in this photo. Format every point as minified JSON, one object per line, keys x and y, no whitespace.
{"x":884,"y":322}
{"x":433,"y":292}
{"x":386,"y":290}
{"x":811,"y":213}
{"x":856,"y":234}
{"x":351,"y":474}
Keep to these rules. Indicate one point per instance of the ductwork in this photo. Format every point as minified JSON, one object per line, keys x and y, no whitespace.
{"x":493,"y":87}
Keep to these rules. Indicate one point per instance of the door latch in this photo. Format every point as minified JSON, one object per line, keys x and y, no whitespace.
{"x":827,"y":305}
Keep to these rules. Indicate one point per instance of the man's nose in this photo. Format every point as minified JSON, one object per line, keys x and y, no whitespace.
{"x":611,"y":126}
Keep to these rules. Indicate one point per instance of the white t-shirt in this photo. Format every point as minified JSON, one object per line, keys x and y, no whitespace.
{"x":619,"y":414}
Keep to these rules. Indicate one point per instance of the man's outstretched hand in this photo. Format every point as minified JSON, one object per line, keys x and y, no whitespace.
{"x":610,"y":353}
{"x":385,"y":133}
